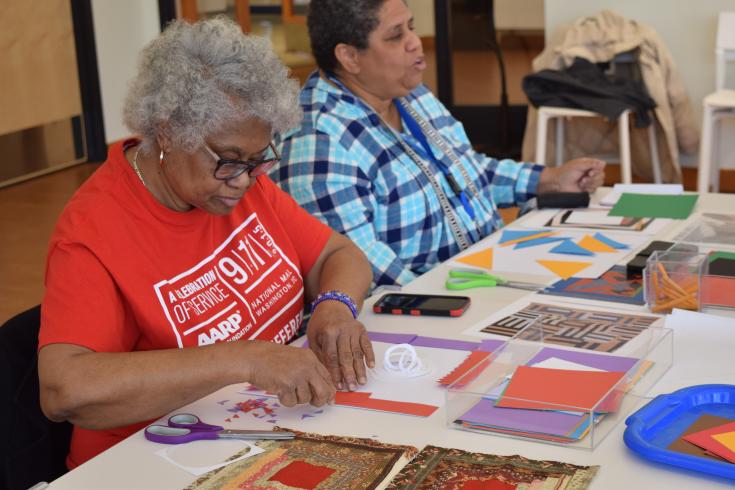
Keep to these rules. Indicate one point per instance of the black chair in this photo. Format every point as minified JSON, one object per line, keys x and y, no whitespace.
{"x":32,"y":448}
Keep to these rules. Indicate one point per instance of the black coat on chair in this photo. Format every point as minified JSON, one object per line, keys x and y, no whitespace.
{"x":32,"y":448}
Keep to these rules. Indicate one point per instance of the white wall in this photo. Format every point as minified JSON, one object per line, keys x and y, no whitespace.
{"x":423,"y":16}
{"x":121,"y":29}
{"x":687,"y":27}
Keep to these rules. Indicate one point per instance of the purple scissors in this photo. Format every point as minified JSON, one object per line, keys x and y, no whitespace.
{"x":185,"y":427}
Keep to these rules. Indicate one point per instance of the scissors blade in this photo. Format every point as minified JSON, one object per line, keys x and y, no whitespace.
{"x":527,"y":286}
{"x":256,"y":434}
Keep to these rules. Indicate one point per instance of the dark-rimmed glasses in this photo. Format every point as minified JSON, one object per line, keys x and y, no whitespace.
{"x":227,"y":169}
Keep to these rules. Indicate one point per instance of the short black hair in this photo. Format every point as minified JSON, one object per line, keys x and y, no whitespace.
{"x":332,"y":22}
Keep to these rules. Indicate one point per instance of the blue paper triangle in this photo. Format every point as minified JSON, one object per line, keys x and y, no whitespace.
{"x":571,"y":248}
{"x":509,"y":235}
{"x":538,"y":241}
{"x":609,"y":241}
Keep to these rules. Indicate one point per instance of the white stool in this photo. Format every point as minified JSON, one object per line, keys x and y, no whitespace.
{"x":717,"y":106}
{"x":545,"y":114}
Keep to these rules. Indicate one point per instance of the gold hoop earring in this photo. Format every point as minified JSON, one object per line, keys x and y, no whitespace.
{"x":160,"y":159}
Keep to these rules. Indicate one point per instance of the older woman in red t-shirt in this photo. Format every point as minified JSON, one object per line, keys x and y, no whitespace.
{"x":179,"y":267}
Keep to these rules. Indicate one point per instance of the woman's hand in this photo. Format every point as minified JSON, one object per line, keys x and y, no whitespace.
{"x":341,"y":343}
{"x":578,"y":175}
{"x":294,"y":374}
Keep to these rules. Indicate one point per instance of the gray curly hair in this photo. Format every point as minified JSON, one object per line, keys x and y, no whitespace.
{"x":195,"y":78}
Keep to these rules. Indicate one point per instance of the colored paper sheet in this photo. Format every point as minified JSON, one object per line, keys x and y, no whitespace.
{"x":525,"y":239}
{"x":654,"y":206}
{"x":594,"y":245}
{"x":489,"y":345}
{"x":564,"y":269}
{"x":485,"y":413}
{"x":604,"y":362}
{"x":392,"y":338}
{"x":559,"y":389}
{"x":704,"y":421}
{"x":483,"y":259}
{"x":613,"y":285}
{"x":705,"y":439}
{"x":609,"y":241}
{"x":727,"y":439}
{"x":361,"y":399}
{"x":512,"y":235}
{"x":448,"y":344}
{"x":717,"y":291}
{"x":571,"y":248}
{"x":534,"y":242}
{"x":473,"y":359}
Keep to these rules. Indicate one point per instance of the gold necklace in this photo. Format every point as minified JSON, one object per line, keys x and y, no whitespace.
{"x":135,"y":166}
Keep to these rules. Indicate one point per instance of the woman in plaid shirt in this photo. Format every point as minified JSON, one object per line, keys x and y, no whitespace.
{"x":379,"y":158}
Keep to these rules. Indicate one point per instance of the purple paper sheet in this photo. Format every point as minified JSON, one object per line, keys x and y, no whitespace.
{"x":445,"y":343}
{"x":392,"y":338}
{"x":489,"y":345}
{"x":591,"y":359}
{"x":540,"y":421}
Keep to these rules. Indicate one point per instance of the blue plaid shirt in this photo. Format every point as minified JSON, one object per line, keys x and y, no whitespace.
{"x":346,"y":167}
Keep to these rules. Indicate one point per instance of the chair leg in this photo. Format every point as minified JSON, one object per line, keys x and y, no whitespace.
{"x":653,"y":145}
{"x":625,"y":165}
{"x":541,"y":128}
{"x":559,"y":141}
{"x":705,"y":151}
{"x":715,"y":152}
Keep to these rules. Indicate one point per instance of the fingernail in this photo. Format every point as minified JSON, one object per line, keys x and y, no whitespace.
{"x":340,"y":385}
{"x":362,"y":380}
{"x":353,"y":386}
{"x":371,"y":365}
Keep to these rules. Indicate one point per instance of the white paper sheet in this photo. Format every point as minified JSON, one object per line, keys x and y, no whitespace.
{"x":667,"y":189}
{"x":593,"y":217}
{"x":540,"y":218}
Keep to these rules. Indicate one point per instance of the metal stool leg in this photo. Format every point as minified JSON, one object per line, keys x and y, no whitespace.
{"x":705,"y":151}
{"x":625,"y":165}
{"x":541,"y":128}
{"x":559,"y":141}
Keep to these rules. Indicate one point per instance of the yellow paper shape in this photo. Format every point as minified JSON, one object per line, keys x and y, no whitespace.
{"x":727,"y":439}
{"x":482,"y":259}
{"x":594,"y":245}
{"x":564,"y":269}
{"x":527,"y":238}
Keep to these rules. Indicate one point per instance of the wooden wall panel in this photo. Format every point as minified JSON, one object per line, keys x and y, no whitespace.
{"x":39,"y":83}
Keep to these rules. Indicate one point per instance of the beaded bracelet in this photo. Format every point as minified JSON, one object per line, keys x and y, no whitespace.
{"x":336,"y":296}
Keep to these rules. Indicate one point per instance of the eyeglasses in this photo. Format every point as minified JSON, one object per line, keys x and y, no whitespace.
{"x":227,"y":169}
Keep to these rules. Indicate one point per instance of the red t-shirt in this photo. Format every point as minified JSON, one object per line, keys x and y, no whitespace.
{"x":124,"y":273}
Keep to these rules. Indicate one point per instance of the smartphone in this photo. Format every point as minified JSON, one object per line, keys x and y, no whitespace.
{"x":422,"y":304}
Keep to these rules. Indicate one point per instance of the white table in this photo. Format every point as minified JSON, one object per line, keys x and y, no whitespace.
{"x":133,"y":464}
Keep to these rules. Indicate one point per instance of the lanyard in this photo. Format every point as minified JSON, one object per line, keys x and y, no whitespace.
{"x":417,"y":133}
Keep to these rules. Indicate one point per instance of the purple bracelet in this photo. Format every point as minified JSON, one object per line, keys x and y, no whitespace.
{"x":336,"y":296}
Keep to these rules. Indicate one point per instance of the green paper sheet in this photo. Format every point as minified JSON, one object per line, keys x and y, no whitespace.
{"x":654,"y":206}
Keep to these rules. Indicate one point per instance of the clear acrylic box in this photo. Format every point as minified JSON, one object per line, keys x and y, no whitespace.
{"x":473,"y":401}
{"x":673,"y":279}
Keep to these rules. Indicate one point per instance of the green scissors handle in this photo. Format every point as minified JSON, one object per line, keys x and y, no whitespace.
{"x":459,"y":280}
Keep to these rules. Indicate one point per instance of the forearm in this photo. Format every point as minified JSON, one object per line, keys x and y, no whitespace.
{"x":104,"y":390}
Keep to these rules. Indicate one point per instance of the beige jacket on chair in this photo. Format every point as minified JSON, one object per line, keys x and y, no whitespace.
{"x":599,"y":39}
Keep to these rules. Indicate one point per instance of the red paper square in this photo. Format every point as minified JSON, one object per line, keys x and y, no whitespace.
{"x":487,"y":485}
{"x":300,"y":474}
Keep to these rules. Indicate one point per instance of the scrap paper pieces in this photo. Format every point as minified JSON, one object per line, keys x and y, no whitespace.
{"x":535,"y":236}
{"x":438,"y":467}
{"x":564,"y":269}
{"x":560,"y":389}
{"x":613,"y":285}
{"x":534,"y":242}
{"x":609,"y":241}
{"x":483,"y":259}
{"x":703,"y":422}
{"x":719,"y":440}
{"x":516,"y":235}
{"x":361,"y":399}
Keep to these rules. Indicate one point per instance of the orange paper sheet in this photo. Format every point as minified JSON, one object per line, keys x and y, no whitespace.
{"x":483,"y":259}
{"x":588,"y":242}
{"x":563,"y":268}
{"x":470,"y":362}
{"x":560,"y":389}
{"x":359,"y":399}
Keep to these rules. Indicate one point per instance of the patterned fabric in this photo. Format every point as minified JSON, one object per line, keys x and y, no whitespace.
{"x":346,"y":167}
{"x":603,"y":331}
{"x":310,"y":461}
{"x":438,"y":468}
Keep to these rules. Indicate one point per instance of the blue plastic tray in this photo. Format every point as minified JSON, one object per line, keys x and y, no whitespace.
{"x":655,"y":426}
